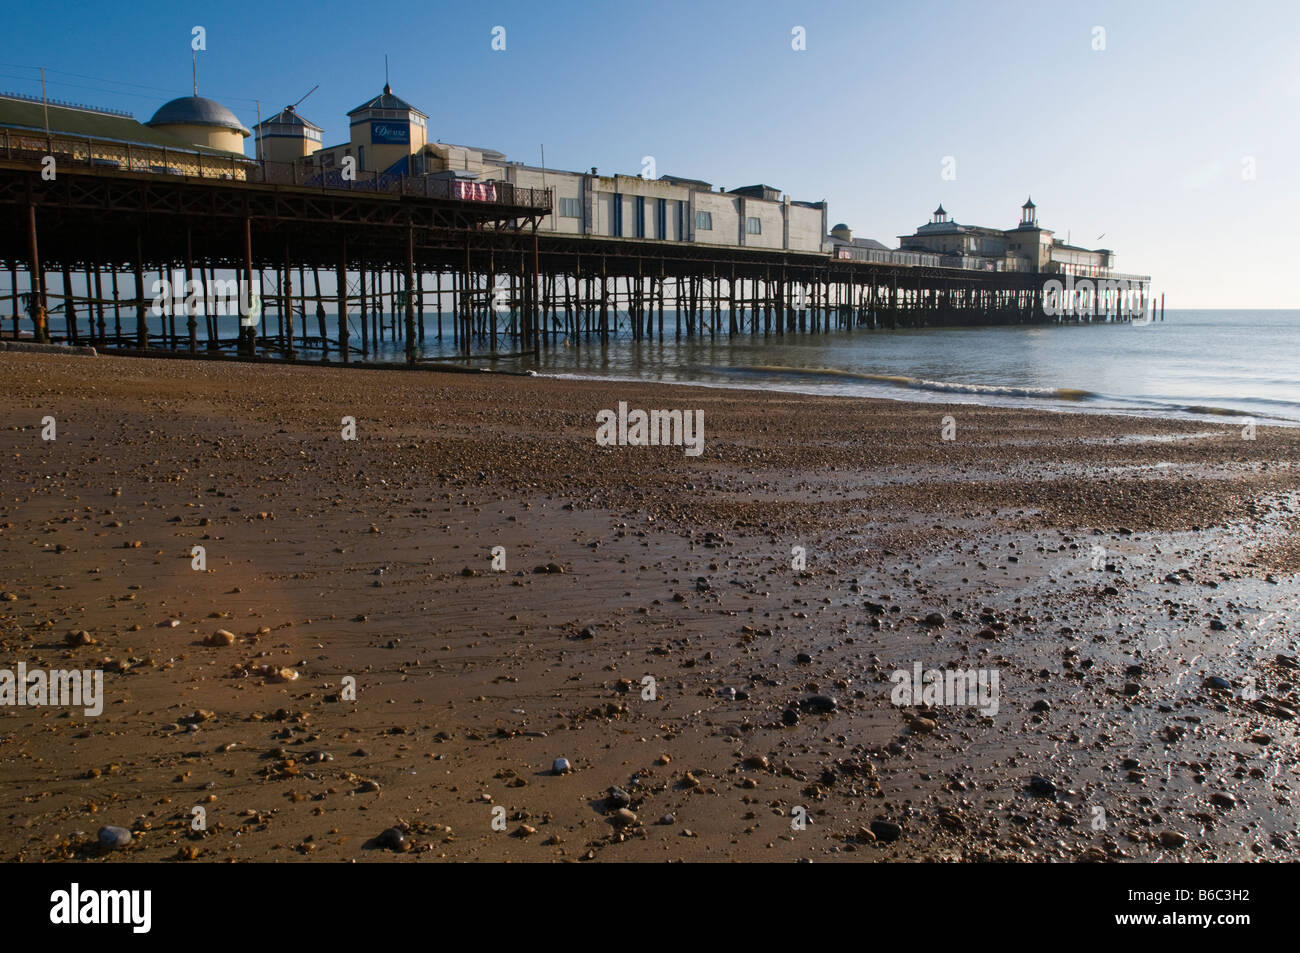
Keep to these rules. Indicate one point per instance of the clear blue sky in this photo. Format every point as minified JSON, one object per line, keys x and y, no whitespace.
{"x":1142,"y":142}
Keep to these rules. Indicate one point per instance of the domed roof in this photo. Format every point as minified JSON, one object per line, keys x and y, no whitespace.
{"x":841,"y":227}
{"x":196,"y":111}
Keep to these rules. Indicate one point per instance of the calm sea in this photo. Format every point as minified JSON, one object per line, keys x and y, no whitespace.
{"x":1193,"y":364}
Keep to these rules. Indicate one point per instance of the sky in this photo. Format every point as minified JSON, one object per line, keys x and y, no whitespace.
{"x":1166,"y":131}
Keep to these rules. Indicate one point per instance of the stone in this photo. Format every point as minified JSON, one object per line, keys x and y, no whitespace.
{"x":1041,"y":787}
{"x":1172,"y":839}
{"x":220,"y":637}
{"x":394,"y":839}
{"x":886,"y":831}
{"x":112,"y":838}
{"x":623,"y":818}
{"x":1217,"y":683}
{"x":561,"y":766}
{"x":935,"y":619}
{"x":617,"y":798}
{"x":819,"y":704}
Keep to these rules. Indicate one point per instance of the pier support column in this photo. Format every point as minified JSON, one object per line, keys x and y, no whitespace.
{"x":247,"y":335}
{"x":40,"y":330}
{"x":537,"y":319}
{"x":191,"y":312}
{"x":412,"y":349}
{"x":290,"y":352}
{"x":341,"y":276}
{"x":141,"y":327}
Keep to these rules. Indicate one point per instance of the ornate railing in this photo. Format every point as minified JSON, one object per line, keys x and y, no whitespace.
{"x":35,"y":148}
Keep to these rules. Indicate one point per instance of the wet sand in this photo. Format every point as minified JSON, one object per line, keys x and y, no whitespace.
{"x":372,"y":560}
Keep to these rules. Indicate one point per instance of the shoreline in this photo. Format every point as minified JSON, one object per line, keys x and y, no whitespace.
{"x":372,"y":559}
{"x":942,"y":395}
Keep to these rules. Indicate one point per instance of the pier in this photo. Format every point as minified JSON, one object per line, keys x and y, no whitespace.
{"x":377,"y":250}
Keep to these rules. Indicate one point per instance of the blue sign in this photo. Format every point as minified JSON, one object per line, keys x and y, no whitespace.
{"x":390,"y":133}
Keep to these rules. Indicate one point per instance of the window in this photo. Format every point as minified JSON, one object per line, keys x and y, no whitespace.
{"x":661,"y":218}
{"x":754,"y":226}
{"x":640,"y":216}
{"x":617,"y":202}
{"x":570,"y":208}
{"x":704,"y":221}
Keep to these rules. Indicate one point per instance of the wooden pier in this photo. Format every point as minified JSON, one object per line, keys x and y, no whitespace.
{"x":381,"y":247}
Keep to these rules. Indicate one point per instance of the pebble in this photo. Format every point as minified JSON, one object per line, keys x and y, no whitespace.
{"x":623,"y":818}
{"x":886,"y":830}
{"x":1172,"y":839}
{"x":394,"y":839}
{"x":220,"y":637}
{"x":114,"y":837}
{"x":820,"y":704}
{"x":1041,"y":787}
{"x":617,"y":798}
{"x":1217,"y":683}
{"x":561,"y":766}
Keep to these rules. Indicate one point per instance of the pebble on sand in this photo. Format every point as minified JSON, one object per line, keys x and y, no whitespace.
{"x":886,"y":830}
{"x":394,"y":839}
{"x":561,"y":766}
{"x":623,"y":818}
{"x":1172,"y":839}
{"x":112,"y":837}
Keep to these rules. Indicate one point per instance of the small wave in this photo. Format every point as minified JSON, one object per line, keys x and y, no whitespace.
{"x":918,"y":383}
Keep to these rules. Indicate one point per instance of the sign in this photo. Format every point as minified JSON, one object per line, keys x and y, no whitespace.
{"x":390,"y":133}
{"x":475,"y":191}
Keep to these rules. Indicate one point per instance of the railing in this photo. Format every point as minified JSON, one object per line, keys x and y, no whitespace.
{"x":424,"y":186}
{"x":28,"y":146}
{"x":885,"y":256}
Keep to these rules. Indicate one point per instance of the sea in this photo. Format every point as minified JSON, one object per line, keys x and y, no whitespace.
{"x":1193,"y":364}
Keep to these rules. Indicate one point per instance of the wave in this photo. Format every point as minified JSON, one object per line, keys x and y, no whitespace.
{"x":919,"y":383}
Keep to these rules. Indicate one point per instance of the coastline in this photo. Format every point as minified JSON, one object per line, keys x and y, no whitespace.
{"x":472,"y":681}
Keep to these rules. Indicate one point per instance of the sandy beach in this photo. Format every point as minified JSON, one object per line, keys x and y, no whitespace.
{"x":1131,"y":582}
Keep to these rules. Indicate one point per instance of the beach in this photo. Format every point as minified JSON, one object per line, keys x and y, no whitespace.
{"x":717,"y":638}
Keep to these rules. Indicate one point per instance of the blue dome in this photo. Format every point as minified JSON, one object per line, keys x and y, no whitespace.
{"x":196,"y":111}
